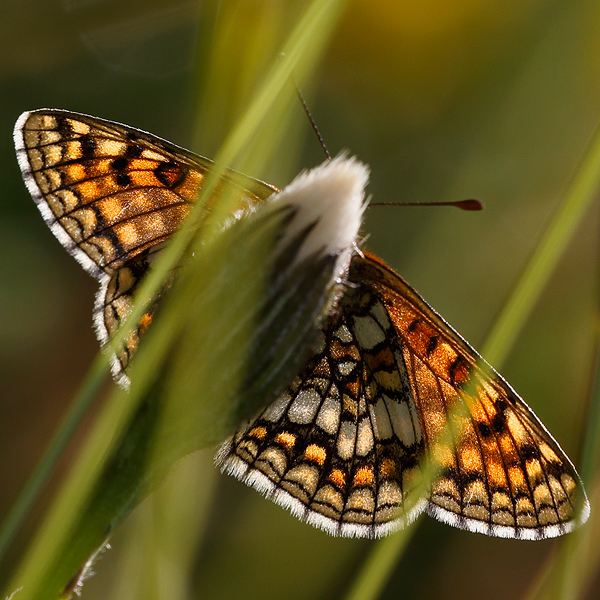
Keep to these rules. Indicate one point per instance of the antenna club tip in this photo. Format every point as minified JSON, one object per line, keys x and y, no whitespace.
{"x":471,"y":204}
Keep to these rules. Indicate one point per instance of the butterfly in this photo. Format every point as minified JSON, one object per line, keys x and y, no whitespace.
{"x":389,"y":384}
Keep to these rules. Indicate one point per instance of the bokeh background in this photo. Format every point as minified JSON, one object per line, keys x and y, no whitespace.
{"x":444,"y":101}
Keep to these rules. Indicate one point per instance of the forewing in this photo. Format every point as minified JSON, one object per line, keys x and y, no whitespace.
{"x":108,"y":191}
{"x":501,"y":472}
{"x":113,"y":195}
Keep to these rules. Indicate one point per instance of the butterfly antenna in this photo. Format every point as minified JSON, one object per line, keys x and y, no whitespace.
{"x":470,"y":204}
{"x":312,"y":121}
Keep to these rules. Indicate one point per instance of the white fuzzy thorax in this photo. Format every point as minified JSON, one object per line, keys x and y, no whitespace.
{"x":330,"y":197}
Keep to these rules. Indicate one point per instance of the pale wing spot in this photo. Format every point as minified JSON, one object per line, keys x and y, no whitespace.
{"x":53,"y":179}
{"x":362,"y":406}
{"x":346,"y":368}
{"x":525,"y":520}
{"x":304,"y":407}
{"x":534,"y":470}
{"x":416,"y":422}
{"x":443,"y":454}
{"x":88,"y":220}
{"x":329,"y":495}
{"x":72,"y":227}
{"x":272,"y":459}
{"x":501,"y":502}
{"x":548,"y":453}
{"x":368,"y":332}
{"x":476,"y":512}
{"x":389,"y":493}
{"x":321,"y":384}
{"x":52,"y":155}
{"x":362,"y":500}
{"x":43,"y":121}
{"x":364,"y":439}
{"x":447,"y":486}
{"x":102,"y":250}
{"x":411,"y":478}
{"x":36,"y":158}
{"x":79,"y":127}
{"x":381,"y":314}
{"x":31,"y":139}
{"x":519,"y":433}
{"x":248,"y":448}
{"x":50,"y":137}
{"x":477,"y":491}
{"x":111,"y":148}
{"x":150,"y":155}
{"x":351,"y":405}
{"x":380,"y":419}
{"x":68,"y":198}
{"x":524,"y":505}
{"x":343,"y":334}
{"x":541,"y":495}
{"x":55,"y":204}
{"x":329,"y":416}
{"x":568,"y":483}
{"x":371,"y":390}
{"x":275,"y":410}
{"x":503,"y":518}
{"x":346,"y":440}
{"x":155,"y":223}
{"x":402,"y":424}
{"x":557,"y":490}
{"x":306,"y":476}
{"x":128,"y":234}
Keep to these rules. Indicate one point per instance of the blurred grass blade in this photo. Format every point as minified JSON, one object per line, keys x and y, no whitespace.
{"x":548,"y":252}
{"x":160,"y":541}
{"x":43,"y":470}
{"x":55,"y":544}
{"x":569,"y":572}
{"x":225,"y":297}
{"x":379,"y":565}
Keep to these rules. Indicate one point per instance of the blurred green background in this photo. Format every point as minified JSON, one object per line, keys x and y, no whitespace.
{"x":444,"y":101}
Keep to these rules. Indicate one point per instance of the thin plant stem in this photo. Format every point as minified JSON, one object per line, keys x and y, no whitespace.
{"x":379,"y":565}
{"x":299,"y":54}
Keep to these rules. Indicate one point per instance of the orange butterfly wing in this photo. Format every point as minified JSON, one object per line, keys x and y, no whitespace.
{"x":391,"y":385}
{"x":112,"y":195}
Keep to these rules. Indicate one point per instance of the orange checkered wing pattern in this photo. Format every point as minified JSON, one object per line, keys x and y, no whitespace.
{"x":394,"y":413}
{"x":391,"y":388}
{"x":112,"y":195}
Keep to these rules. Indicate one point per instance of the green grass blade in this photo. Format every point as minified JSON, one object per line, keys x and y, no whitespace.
{"x":50,"y":546}
{"x":379,"y":565}
{"x":568,"y":573}
{"x":544,"y":260}
{"x":44,"y":469}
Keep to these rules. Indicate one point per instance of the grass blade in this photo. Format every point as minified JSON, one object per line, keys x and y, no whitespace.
{"x":372,"y":578}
